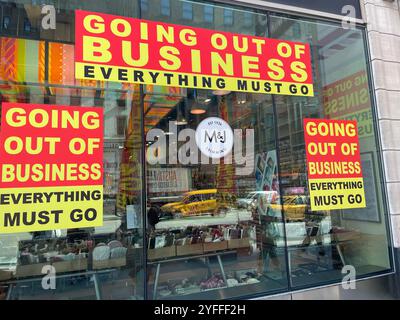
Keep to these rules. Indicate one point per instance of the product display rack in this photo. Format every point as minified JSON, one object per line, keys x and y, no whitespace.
{"x":193,"y":270}
{"x":93,"y":273}
{"x":218,"y":255}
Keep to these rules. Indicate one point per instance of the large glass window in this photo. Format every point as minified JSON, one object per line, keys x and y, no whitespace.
{"x":104,"y":262}
{"x":206,"y":233}
{"x":330,"y":240}
{"x":206,"y":237}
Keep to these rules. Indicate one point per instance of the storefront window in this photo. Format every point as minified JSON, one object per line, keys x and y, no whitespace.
{"x":209,"y":240}
{"x":206,"y":237}
{"x":178,"y":224}
{"x":330,"y":240}
{"x":104,"y":262}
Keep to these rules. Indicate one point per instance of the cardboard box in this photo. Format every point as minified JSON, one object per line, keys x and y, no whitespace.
{"x":117,"y":262}
{"x":5,"y":275}
{"x":239,"y":243}
{"x":30,"y":270}
{"x":346,"y":236}
{"x":190,"y":249}
{"x":215,"y":246}
{"x":109,"y":263}
{"x":161,"y":253}
{"x":70,"y":266}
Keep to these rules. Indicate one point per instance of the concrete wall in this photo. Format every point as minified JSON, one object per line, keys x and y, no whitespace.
{"x":383,"y":29}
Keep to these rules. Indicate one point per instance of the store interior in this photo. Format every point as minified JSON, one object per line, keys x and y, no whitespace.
{"x":213,"y":229}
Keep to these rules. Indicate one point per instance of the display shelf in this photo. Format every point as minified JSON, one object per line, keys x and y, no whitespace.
{"x":265,"y":284}
{"x":94,"y":274}
{"x":202,"y":256}
{"x":224,"y":266}
{"x":73,"y":265}
{"x":208,"y":291}
{"x":160,"y":253}
{"x":29,"y":270}
{"x":192,"y":249}
{"x":215,"y":246}
{"x":239,"y":243}
{"x":109,"y":263}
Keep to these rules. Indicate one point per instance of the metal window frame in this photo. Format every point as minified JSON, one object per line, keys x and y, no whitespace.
{"x":186,"y":10}
{"x":282,"y":8}
{"x":163,"y":6}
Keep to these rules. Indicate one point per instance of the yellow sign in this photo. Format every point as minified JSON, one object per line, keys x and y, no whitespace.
{"x":328,"y":194}
{"x":50,"y":208}
{"x":335,"y":179}
{"x":121,"y":49}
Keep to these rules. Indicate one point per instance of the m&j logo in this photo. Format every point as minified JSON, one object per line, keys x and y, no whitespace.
{"x":214,"y":137}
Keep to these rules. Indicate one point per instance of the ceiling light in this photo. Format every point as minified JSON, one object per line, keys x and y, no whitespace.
{"x":221,"y":92}
{"x":197,"y":111}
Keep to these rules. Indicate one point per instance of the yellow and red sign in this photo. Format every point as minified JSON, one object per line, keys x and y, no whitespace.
{"x":335,"y":179}
{"x":121,"y":49}
{"x":51,"y":167}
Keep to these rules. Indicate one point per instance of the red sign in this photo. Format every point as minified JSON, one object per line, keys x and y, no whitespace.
{"x":333,"y":164}
{"x":332,"y":148}
{"x":346,"y":96}
{"x":115,"y":48}
{"x":51,"y":167}
{"x":348,"y":99}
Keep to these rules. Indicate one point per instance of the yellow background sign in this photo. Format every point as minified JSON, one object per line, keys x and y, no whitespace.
{"x":121,"y":49}
{"x":335,"y":179}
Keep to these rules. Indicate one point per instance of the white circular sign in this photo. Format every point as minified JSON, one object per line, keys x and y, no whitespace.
{"x":214,"y":137}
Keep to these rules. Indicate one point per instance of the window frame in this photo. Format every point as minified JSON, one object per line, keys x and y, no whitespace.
{"x":229,"y":17}
{"x":208,"y":14}
{"x":187,"y":10}
{"x":165,"y":7}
